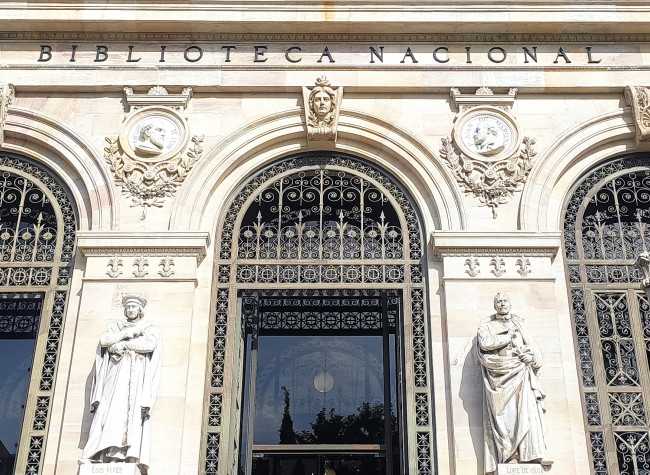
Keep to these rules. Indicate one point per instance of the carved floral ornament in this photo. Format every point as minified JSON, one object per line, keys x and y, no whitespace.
{"x":151,"y":156}
{"x":485,"y":152}
{"x":638,"y":98}
{"x":7,"y":95}
{"x":322,"y":107}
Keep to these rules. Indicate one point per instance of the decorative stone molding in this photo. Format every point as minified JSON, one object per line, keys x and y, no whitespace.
{"x":295,"y":37}
{"x":485,"y":152}
{"x":643,"y":264}
{"x":151,"y":157}
{"x":167,"y":245}
{"x":114,"y":267}
{"x":484,"y":96}
{"x":513,"y":256}
{"x":472,"y":264}
{"x":166,"y":267}
{"x":140,"y":267}
{"x":638,"y":98}
{"x":322,"y":107}
{"x":7,"y":95}
{"x":159,"y":97}
{"x":486,"y":244}
{"x":524,"y":266}
{"x":498,"y":266}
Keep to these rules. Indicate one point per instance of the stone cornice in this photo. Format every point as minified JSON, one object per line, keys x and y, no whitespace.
{"x":334,"y":16}
{"x":485,"y":244}
{"x":173,"y":244}
{"x":492,"y":38}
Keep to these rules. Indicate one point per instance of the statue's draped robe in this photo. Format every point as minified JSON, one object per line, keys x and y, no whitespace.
{"x":513,"y":419}
{"x":122,"y":386}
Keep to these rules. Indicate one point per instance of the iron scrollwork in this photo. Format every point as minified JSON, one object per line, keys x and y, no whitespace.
{"x":606,"y":227}
{"x":331,"y":221}
{"x":37,"y":246}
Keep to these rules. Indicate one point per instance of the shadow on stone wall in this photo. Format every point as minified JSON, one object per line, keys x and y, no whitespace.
{"x":471,"y":393}
{"x":87,"y":415}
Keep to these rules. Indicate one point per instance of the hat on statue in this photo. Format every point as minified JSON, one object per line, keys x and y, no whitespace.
{"x":126,"y":298}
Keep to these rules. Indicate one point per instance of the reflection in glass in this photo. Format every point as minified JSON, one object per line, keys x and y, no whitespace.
{"x":335,"y":388}
{"x":18,"y":324}
{"x":320,"y":385}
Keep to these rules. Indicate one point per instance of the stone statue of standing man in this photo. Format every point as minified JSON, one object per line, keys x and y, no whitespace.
{"x":513,"y":412}
{"x":127,"y":373}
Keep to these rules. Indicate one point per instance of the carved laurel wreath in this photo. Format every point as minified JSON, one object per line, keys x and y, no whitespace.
{"x":492,"y":183}
{"x":148,"y":184}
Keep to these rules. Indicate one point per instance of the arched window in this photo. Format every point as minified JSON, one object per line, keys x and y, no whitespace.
{"x":320,"y":306}
{"x":37,"y":243}
{"x":607,"y":225}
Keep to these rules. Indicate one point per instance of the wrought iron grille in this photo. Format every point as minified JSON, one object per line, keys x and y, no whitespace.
{"x":322,"y":310}
{"x":607,"y":224}
{"x":37,"y":246}
{"x":333,"y":230}
{"x":19,"y":318}
{"x":318,"y":214}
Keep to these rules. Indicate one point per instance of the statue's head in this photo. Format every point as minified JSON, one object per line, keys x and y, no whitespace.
{"x":133,"y":306}
{"x":155,"y":132}
{"x":322,"y":101}
{"x":502,"y":303}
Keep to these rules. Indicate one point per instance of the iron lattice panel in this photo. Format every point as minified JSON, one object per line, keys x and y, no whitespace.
{"x":263,"y":237}
{"x":606,"y":226}
{"x":19,"y":318}
{"x":37,"y":247}
{"x":317,"y":310}
{"x":355,"y":167}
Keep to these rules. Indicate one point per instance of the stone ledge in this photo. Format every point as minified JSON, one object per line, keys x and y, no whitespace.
{"x":459,"y":243}
{"x":173,"y":244}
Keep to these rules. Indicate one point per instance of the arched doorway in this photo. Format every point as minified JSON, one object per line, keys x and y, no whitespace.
{"x":606,"y":226}
{"x":37,"y":247}
{"x":321,"y":311}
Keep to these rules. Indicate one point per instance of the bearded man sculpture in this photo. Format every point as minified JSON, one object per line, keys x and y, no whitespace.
{"x":513,"y":410}
{"x":151,"y":138}
{"x":127,"y":373}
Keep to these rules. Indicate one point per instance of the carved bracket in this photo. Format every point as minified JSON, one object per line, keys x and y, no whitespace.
{"x":638,"y":98}
{"x":322,"y":107}
{"x":7,"y":95}
{"x":151,"y":156}
{"x":483,"y":96}
{"x":158,"y":96}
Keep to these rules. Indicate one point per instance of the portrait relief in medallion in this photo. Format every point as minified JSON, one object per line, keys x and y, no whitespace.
{"x":487,"y":134}
{"x":154,"y":135}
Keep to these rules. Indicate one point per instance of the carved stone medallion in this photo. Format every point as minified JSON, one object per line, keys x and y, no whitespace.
{"x":151,"y":157}
{"x":486,"y":153}
{"x":487,"y":134}
{"x":154,"y":134}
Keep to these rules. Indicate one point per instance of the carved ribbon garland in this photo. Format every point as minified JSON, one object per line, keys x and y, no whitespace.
{"x":147,"y":184}
{"x":492,"y":183}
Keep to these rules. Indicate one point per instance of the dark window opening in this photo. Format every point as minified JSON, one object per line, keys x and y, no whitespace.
{"x":321,"y":382}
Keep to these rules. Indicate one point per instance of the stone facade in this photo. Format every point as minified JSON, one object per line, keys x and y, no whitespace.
{"x":562,"y":89}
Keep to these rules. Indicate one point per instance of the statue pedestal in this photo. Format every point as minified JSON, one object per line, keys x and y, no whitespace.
{"x":522,"y":469}
{"x":109,"y":469}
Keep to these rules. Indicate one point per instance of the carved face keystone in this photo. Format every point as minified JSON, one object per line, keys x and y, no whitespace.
{"x":322,"y":104}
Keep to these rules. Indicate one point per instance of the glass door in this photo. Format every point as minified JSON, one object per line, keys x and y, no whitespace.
{"x":321,"y":384}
